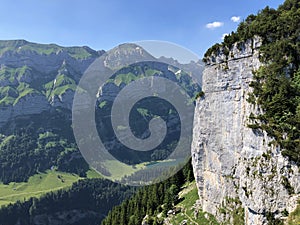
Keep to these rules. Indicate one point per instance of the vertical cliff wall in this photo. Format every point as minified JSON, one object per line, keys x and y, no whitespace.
{"x":234,"y":166}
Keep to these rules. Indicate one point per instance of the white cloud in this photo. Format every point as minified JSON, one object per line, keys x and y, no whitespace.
{"x":223,"y":36}
{"x":236,"y":19}
{"x":214,"y":25}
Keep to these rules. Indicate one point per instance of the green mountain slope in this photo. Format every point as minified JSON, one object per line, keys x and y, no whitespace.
{"x":20,"y":46}
{"x":36,"y":186}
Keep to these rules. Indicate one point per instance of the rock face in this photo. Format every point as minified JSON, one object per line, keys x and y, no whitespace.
{"x":233,"y":163}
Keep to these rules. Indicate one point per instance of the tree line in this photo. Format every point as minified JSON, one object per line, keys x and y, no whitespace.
{"x":94,"y":197}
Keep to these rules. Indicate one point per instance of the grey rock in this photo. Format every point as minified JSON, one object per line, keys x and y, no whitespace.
{"x":65,"y":100}
{"x":226,"y":154}
{"x":145,"y":220}
{"x":27,"y":105}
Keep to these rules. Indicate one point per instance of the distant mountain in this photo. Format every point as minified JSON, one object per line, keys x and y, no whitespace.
{"x":37,"y":86}
{"x":195,"y":68}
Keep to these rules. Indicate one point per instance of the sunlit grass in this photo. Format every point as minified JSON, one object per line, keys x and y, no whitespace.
{"x":37,"y":185}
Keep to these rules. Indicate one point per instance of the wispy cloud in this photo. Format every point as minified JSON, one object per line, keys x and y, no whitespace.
{"x":214,"y":25}
{"x":224,"y":35}
{"x":236,"y":19}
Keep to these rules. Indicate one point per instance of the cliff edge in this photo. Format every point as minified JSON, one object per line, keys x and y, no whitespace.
{"x":237,"y":170}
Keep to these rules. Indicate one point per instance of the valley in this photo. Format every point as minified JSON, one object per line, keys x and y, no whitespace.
{"x":241,"y":160}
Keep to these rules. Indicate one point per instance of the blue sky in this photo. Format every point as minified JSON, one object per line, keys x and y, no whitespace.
{"x":104,"y":24}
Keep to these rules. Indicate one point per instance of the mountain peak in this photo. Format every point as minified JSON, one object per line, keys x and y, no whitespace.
{"x":126,"y":54}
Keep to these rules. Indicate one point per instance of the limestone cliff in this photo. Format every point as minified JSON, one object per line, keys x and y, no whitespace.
{"x":234,"y":166}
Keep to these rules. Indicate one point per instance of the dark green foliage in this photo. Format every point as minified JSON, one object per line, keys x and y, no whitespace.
{"x":232,"y":208}
{"x":272,"y":220}
{"x":214,"y":49}
{"x":285,"y":212}
{"x":287,"y":185}
{"x":200,"y":94}
{"x":276,"y":86}
{"x":37,"y":143}
{"x":17,"y":212}
{"x":96,"y":196}
{"x":150,"y":200}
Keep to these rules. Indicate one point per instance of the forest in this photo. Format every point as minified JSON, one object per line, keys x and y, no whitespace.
{"x":35,"y":144}
{"x":96,"y":197}
{"x":92,"y":197}
{"x":150,"y":200}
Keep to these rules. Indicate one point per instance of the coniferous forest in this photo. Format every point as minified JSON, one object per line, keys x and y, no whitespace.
{"x":93,"y":198}
{"x":150,"y":200}
{"x":96,"y":197}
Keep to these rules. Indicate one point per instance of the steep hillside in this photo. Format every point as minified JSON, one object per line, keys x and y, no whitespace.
{"x":151,"y":204}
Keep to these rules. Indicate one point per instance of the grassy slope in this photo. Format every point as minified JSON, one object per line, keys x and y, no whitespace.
{"x":294,"y":217}
{"x":119,"y":170}
{"x":38,"y":185}
{"x":189,"y":196}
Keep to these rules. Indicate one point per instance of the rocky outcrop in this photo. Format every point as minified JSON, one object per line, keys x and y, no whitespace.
{"x":233,"y":163}
{"x":64,"y":100}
